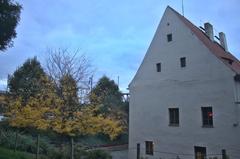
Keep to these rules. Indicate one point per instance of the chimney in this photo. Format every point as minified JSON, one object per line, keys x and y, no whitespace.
{"x":209,"y":31}
{"x":223,"y":41}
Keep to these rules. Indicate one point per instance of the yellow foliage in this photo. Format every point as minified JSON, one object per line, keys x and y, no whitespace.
{"x":85,"y":122}
{"x":38,"y":112}
{"x":46,"y":111}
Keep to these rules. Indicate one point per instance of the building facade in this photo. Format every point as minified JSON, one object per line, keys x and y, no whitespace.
{"x":185,"y":95}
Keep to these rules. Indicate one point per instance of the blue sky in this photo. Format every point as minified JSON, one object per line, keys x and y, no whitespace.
{"x":114,"y":35}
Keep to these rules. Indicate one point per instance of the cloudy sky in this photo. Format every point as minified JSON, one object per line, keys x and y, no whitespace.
{"x":113,"y":34}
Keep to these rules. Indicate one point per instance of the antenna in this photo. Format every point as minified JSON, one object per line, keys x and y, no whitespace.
{"x":182,"y":8}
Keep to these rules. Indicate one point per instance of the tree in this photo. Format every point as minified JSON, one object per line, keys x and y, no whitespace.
{"x":68,"y":92}
{"x":62,"y":62}
{"x":86,"y":122}
{"x":40,"y":112}
{"x":75,"y":120}
{"x":29,"y":91}
{"x":107,"y":95}
{"x":107,"y":92}
{"x":71,"y":74}
{"x":25,"y":81}
{"x":9,"y":18}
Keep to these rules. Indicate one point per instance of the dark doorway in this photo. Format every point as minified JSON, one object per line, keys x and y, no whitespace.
{"x":200,"y":152}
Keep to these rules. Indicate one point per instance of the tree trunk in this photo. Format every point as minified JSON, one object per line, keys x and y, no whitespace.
{"x":16,"y":138}
{"x":37,"y":153}
{"x":72,"y":148}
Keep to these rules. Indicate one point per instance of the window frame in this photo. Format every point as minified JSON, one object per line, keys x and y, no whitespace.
{"x":169,"y":37}
{"x":173,"y":116}
{"x":183,"y":62}
{"x":149,"y":146}
{"x":158,"y":67}
{"x":207,"y":116}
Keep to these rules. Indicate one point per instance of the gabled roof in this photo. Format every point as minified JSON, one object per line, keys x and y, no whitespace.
{"x":215,"y":48}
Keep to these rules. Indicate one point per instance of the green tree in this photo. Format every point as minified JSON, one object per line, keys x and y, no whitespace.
{"x":9,"y":18}
{"x":25,"y":81}
{"x":106,"y":94}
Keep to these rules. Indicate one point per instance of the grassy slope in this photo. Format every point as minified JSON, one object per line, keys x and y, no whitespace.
{"x":9,"y":154}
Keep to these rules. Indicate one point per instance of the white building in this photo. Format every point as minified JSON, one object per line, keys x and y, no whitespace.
{"x":185,"y":95}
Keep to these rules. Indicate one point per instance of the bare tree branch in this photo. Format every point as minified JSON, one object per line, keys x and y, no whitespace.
{"x":61,"y":62}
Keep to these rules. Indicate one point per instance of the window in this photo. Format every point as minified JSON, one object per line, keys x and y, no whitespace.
{"x":173,"y":116}
{"x":207,"y":116}
{"x":183,"y":61}
{"x":149,"y":147}
{"x":169,"y":37}
{"x":158,"y":67}
{"x":200,"y":152}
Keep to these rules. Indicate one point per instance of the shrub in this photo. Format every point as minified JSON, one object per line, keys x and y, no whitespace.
{"x":98,"y":154}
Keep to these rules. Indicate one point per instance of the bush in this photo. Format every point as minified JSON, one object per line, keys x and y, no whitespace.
{"x":54,"y":154}
{"x":98,"y":154}
{"x":9,"y":154}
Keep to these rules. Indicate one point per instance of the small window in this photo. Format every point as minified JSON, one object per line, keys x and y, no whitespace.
{"x":173,"y":116}
{"x":183,"y":61}
{"x":158,"y":67}
{"x":169,"y":37}
{"x":200,"y":152}
{"x":207,"y":116}
{"x":149,"y":147}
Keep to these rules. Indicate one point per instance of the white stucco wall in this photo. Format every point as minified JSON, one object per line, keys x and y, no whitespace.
{"x":205,"y":81}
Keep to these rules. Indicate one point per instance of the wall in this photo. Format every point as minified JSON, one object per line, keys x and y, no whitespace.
{"x":206,"y":81}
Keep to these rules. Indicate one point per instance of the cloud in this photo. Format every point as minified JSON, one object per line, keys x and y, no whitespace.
{"x":114,"y":34}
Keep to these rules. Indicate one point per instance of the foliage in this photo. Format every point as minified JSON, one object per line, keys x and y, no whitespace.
{"x":107,"y":96}
{"x":74,"y":120}
{"x":107,"y":93}
{"x":9,"y":18}
{"x":9,"y":154}
{"x":79,"y":153}
{"x":25,"y":81}
{"x":40,"y":110}
{"x":69,"y":94}
{"x":98,"y":154}
{"x":3,"y":102}
{"x":86,"y":122}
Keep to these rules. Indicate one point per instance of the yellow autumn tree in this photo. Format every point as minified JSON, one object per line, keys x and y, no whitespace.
{"x":77,"y":120}
{"x":85,"y":122}
{"x":39,"y":112}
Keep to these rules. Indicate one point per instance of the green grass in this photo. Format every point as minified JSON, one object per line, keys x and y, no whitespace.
{"x":10,"y":154}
